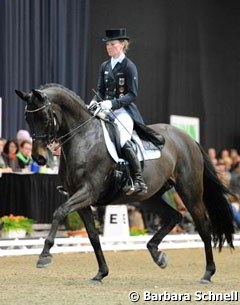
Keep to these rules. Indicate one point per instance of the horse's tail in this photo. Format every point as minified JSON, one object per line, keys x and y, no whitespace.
{"x":217,"y":205}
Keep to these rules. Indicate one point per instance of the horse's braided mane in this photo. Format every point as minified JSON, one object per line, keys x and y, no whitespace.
{"x":70,"y":92}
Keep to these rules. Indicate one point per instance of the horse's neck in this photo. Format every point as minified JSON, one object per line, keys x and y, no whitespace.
{"x":73,"y":113}
{"x":88,"y":139}
{"x":83,"y":130}
{"x":73,"y":120}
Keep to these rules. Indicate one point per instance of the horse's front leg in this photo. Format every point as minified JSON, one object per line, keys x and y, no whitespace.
{"x":87,"y":217}
{"x":81,"y":199}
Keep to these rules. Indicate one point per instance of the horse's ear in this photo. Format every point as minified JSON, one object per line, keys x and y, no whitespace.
{"x":38,"y":94}
{"x":23,"y":95}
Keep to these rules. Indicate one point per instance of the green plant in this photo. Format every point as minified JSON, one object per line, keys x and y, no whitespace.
{"x":73,"y":222}
{"x":135,"y":231}
{"x":12,"y":222}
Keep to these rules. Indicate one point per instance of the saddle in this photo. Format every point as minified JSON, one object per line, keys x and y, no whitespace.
{"x":147,"y":143}
{"x":121,"y":178}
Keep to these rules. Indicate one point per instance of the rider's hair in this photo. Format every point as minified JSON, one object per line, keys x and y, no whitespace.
{"x":126,"y":44}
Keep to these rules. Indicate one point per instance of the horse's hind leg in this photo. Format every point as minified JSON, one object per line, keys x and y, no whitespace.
{"x":170,"y":217}
{"x":194,"y":204}
{"x":203,"y":227}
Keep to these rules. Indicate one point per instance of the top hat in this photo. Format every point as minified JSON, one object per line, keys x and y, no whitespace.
{"x":115,"y":34}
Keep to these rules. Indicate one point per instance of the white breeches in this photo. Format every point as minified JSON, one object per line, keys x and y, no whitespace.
{"x":125,"y":125}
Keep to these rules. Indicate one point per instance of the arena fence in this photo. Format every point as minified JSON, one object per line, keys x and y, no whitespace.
{"x":18,"y":246}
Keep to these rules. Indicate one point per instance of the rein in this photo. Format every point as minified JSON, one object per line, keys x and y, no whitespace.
{"x":53,"y":122}
{"x":72,"y":133}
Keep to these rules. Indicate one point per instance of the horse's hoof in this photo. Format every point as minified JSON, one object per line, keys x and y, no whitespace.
{"x":44,"y":261}
{"x":95,"y":282}
{"x":97,"y":279}
{"x":162,"y":260}
{"x":205,"y":281}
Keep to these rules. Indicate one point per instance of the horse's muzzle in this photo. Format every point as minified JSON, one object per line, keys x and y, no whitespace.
{"x":41,"y":160}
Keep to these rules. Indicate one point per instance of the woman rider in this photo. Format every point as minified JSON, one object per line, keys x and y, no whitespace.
{"x":117,"y":92}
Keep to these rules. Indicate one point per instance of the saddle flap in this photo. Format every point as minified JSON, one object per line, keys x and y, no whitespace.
{"x":152,"y":152}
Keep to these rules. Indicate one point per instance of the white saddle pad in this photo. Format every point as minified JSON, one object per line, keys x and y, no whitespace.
{"x":142,"y":155}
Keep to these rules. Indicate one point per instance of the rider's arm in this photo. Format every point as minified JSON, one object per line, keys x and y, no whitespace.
{"x":101,"y":88}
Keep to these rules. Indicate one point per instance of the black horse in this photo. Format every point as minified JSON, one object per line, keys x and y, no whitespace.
{"x":56,"y":113}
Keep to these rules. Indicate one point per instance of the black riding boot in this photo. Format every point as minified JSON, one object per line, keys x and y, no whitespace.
{"x":131,"y":157}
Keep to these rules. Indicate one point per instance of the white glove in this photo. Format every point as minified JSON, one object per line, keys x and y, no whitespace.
{"x":106,"y":105}
{"x":92,"y":103}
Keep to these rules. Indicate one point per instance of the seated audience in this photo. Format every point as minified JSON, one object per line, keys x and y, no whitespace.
{"x":235,"y":180}
{"x":4,"y":167}
{"x":234,"y":203}
{"x":236,"y":216}
{"x":186,"y":225}
{"x":223,"y":173}
{"x":213,"y":155}
{"x":23,"y":135}
{"x":135,"y":216}
{"x":235,"y":157}
{"x":24,"y":154}
{"x":11,"y":150}
{"x":225,"y":159}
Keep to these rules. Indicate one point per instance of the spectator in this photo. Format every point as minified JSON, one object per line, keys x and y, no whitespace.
{"x":186,"y":225}
{"x":234,"y":203}
{"x":4,"y":168}
{"x":235,"y":157}
{"x":213,"y":156}
{"x":235,"y":180}
{"x":135,"y":216}
{"x":11,"y":150}
{"x":23,"y":135}
{"x":236,"y":216}
{"x":225,"y":157}
{"x":223,"y":173}
{"x":24,"y":154}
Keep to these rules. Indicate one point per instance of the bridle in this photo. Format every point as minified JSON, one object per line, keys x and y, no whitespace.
{"x":50,"y":135}
{"x":53,"y":126}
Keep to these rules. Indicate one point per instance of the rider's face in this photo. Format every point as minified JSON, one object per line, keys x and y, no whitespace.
{"x":114,"y":48}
